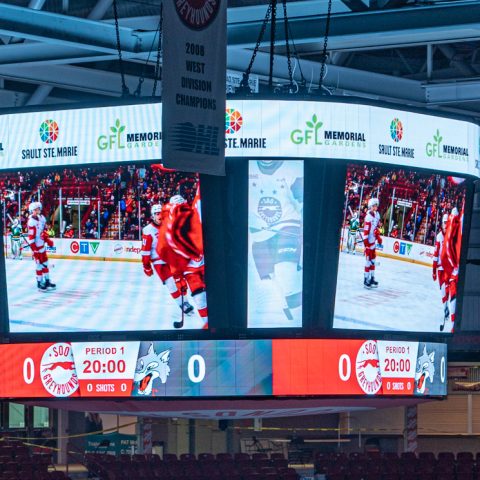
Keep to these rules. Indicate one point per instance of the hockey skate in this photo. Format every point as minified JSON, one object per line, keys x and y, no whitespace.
{"x":373,"y":283}
{"x":42,"y":287}
{"x":366,"y":283}
{"x":50,"y":285}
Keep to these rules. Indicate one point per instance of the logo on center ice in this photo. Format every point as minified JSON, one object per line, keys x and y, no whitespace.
{"x":368,"y":368}
{"x":233,"y":120}
{"x":49,"y":131}
{"x":270,"y":210}
{"x":57,"y":370}
{"x":396,"y":130}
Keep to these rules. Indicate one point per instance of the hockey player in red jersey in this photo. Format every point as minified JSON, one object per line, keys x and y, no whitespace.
{"x":450,"y":258}
{"x":37,"y":240}
{"x":183,"y":250}
{"x":152,"y":236}
{"x":371,"y":236}
{"x":438,"y":271}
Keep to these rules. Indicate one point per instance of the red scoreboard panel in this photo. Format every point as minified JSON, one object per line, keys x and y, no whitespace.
{"x":223,"y":368}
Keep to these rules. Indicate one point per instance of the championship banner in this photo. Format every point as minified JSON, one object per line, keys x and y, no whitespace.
{"x":223,"y":368}
{"x":193,"y":85}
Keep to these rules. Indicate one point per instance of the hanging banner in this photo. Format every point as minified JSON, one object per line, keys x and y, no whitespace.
{"x":193,"y":85}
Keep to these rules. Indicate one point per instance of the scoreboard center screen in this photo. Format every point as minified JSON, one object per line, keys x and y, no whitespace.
{"x":223,"y":368}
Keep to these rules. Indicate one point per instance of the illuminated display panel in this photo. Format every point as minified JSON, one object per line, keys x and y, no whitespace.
{"x":114,"y":268}
{"x":400,"y":247}
{"x":275,"y":241}
{"x":223,"y":368}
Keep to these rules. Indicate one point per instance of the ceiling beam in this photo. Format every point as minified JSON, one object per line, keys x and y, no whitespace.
{"x":407,"y":26}
{"x":75,"y":32}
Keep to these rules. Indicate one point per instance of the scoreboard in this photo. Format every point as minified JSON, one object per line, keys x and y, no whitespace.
{"x":223,"y":368}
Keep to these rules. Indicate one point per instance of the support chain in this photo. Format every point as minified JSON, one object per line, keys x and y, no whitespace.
{"x":125,"y":91}
{"x":325,"y":44}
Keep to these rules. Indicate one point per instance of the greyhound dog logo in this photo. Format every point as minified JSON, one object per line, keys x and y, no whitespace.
{"x":149,"y":367}
{"x":368,"y":372}
{"x":425,"y":369}
{"x":57,"y":370}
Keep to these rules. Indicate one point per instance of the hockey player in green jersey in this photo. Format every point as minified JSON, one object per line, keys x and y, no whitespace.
{"x":16,"y":239}
{"x":353,"y":228}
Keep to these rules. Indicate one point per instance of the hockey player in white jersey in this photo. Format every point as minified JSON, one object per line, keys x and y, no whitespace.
{"x":151,"y":234}
{"x":38,"y":240}
{"x":275,"y":223}
{"x":371,"y":236}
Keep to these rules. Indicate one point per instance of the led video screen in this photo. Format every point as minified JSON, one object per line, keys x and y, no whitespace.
{"x":223,"y":368}
{"x":400,"y":247}
{"x":103,"y":248}
{"x":275,"y":240}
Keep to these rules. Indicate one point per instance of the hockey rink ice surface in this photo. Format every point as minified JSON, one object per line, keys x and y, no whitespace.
{"x":407,"y":298}
{"x":91,"y":296}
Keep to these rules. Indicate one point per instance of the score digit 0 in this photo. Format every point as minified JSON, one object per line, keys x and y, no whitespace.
{"x":28,"y":371}
{"x":344,"y":367}
{"x":199,"y":362}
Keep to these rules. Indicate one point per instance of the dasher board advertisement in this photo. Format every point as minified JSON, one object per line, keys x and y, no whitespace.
{"x":400,"y":250}
{"x":223,"y":368}
{"x":104,"y":248}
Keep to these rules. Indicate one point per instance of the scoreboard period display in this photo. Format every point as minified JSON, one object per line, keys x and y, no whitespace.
{"x":223,"y":368}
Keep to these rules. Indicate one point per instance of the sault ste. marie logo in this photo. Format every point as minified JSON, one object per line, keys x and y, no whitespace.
{"x":233,"y":120}
{"x":233,"y":124}
{"x":396,"y":130}
{"x":312,"y":135}
{"x":57,"y":370}
{"x":197,"y":14}
{"x":48,"y":131}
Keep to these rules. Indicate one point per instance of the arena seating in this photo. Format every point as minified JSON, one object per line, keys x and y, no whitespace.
{"x":407,"y":466}
{"x":241,"y":466}
{"x":16,"y":463}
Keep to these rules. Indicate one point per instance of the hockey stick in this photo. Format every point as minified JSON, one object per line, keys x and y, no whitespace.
{"x":182,"y":321}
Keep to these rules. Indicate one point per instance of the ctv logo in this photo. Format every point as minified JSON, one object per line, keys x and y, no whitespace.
{"x":83,"y":247}
{"x":402,"y":248}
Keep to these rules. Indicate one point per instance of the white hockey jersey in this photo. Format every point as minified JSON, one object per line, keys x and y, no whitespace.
{"x":35,"y":226}
{"x":272,"y":204}
{"x":372,"y":219}
{"x":150,"y":241}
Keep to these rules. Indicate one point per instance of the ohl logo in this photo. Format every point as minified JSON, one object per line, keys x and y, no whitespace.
{"x":368,"y":368}
{"x":57,"y":370}
{"x":233,"y":120}
{"x":396,"y":130}
{"x":48,"y":131}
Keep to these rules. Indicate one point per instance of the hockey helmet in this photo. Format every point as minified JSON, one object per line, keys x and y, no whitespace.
{"x":33,"y":206}
{"x":177,"y":200}
{"x":444,"y":218}
{"x":454,"y":211}
{"x":157,"y":208}
{"x":15,"y":222}
{"x":355,"y":215}
{"x":372,"y":202}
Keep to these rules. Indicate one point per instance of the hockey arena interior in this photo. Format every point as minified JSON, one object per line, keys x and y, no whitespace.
{"x":305,"y":308}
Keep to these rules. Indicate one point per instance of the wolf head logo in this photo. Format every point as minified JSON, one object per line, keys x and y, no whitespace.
{"x":425,"y":369}
{"x":149,"y":367}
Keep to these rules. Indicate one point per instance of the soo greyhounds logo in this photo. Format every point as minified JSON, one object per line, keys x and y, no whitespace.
{"x":368,"y":368}
{"x":57,"y":370}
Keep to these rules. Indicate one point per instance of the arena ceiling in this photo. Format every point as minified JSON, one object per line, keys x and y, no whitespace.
{"x":412,"y":52}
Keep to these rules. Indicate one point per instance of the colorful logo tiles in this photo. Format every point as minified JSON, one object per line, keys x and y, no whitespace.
{"x":396,"y":130}
{"x":233,"y":120}
{"x":48,"y":131}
